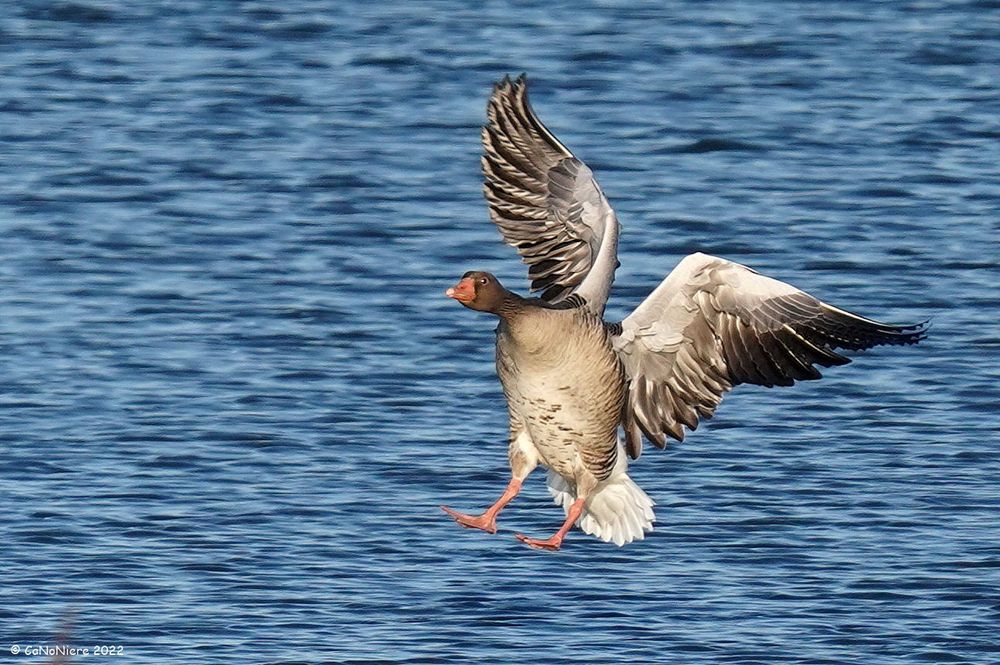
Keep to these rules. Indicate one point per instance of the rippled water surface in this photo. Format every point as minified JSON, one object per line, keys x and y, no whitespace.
{"x":232,"y":395}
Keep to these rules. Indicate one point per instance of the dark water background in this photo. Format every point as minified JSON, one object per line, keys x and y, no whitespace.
{"x":232,"y":394}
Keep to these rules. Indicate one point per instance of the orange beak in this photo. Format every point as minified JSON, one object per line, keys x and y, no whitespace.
{"x":464,"y":291}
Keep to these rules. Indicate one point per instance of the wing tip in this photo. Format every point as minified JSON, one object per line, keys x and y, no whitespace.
{"x":508,"y":86}
{"x":867,"y":333}
{"x":908,"y":334}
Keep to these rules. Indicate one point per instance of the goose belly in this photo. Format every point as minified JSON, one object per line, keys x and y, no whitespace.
{"x":571,"y":411}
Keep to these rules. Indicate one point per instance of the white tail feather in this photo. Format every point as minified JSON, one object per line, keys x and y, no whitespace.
{"x":617,"y":512}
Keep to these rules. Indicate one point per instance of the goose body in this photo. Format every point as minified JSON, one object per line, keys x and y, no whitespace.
{"x":582,"y":394}
{"x":563,"y":411}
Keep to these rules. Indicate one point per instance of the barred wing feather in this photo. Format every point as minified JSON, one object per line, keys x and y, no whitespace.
{"x":546,"y":202}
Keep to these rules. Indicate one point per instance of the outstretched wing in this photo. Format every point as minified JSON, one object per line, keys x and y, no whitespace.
{"x":713,"y":324}
{"x":546,"y":202}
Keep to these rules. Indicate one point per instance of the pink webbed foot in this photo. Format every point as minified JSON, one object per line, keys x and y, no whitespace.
{"x":486,"y":522}
{"x":550,"y":544}
{"x":555,"y":542}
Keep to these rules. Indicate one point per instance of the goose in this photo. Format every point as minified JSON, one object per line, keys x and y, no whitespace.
{"x":583,"y":393}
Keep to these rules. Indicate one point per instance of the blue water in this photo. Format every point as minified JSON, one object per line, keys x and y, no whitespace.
{"x":232,"y":394}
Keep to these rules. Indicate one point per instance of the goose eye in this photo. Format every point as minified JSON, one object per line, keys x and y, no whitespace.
{"x":483,"y":280}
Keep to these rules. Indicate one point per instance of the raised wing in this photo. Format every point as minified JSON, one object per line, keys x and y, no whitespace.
{"x":546,"y":202}
{"x":713,"y":324}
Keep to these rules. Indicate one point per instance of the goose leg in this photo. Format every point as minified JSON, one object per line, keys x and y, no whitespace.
{"x":488,"y":520}
{"x":555,"y":542}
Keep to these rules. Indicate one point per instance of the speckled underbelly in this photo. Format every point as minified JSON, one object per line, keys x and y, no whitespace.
{"x":565,"y":386}
{"x":565,"y":422}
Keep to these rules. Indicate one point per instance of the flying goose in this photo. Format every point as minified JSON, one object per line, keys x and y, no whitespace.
{"x":573,"y":381}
